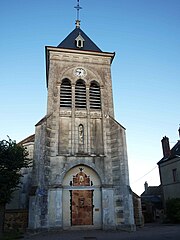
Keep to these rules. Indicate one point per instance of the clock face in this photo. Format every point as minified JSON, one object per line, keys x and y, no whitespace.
{"x":80,"y":72}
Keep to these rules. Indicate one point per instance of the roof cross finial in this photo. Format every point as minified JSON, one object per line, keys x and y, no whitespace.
{"x":78,"y":8}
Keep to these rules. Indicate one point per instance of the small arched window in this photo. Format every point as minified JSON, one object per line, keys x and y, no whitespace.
{"x":66,"y":94}
{"x":79,"y":41}
{"x":80,"y":94}
{"x":95,"y":96}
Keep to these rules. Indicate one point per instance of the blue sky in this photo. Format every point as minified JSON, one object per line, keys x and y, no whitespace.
{"x":146,"y":70}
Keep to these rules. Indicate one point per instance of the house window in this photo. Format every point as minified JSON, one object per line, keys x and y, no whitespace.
{"x":174,"y":172}
{"x":80,"y":94}
{"x":66,"y":94}
{"x":95,"y":96}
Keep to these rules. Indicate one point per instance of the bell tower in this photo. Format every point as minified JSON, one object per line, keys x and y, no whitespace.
{"x":80,"y":139}
{"x":79,"y":94}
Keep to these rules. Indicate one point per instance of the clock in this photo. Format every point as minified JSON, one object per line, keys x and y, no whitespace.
{"x":80,"y":72}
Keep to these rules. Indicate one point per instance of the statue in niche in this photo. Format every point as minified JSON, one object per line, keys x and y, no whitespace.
{"x":81,"y":138}
{"x":81,"y":134}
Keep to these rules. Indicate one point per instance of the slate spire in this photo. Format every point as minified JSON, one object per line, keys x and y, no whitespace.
{"x":77,"y":39}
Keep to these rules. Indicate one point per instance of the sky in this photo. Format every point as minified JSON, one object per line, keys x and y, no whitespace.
{"x":145,"y":35}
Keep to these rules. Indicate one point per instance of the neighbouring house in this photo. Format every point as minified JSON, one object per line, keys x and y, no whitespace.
{"x":152,"y":203}
{"x":169,"y":170}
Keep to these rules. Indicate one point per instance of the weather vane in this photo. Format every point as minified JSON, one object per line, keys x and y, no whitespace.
{"x":78,"y":9}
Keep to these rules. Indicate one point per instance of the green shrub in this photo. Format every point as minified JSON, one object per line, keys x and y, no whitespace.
{"x":12,"y":236}
{"x":173,"y":210}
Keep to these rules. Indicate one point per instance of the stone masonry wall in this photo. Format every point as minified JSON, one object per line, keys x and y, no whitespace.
{"x":122,"y":195}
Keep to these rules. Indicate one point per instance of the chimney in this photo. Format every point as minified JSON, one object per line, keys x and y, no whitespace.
{"x":166,"y":147}
{"x":145,"y":186}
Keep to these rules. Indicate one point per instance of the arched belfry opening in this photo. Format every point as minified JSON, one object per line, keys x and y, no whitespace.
{"x":95,"y":95}
{"x":80,"y":94}
{"x":66,"y":94}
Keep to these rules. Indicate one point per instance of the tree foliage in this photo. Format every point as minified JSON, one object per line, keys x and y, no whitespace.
{"x":173,"y":210}
{"x":13,"y":157}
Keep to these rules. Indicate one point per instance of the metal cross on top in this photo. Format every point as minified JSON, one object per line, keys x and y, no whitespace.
{"x":78,"y":9}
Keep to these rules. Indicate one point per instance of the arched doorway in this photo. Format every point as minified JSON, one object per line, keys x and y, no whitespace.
{"x":81,"y":198}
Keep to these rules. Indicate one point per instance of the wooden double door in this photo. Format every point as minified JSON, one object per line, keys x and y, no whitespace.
{"x":81,"y":207}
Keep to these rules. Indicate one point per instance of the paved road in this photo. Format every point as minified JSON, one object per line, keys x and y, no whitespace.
{"x":148,"y":232}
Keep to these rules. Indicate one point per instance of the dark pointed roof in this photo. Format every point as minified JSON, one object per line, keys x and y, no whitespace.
{"x":69,"y":41}
{"x":174,"y":153}
{"x":152,"y":194}
{"x":152,"y":190}
{"x":27,"y":140}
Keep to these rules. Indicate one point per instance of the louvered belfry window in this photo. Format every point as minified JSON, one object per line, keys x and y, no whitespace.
{"x":66,"y":94}
{"x":80,"y":94}
{"x":95,"y":96}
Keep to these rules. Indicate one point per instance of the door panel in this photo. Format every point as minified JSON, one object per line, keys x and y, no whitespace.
{"x":82,"y":207}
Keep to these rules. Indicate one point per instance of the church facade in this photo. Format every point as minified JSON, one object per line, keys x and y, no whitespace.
{"x":80,"y":175}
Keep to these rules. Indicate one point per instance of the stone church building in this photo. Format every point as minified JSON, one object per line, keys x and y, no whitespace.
{"x":80,"y":175}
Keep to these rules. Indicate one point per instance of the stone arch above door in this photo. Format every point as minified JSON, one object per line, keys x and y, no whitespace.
{"x":81,"y":175}
{"x":84,"y":164}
